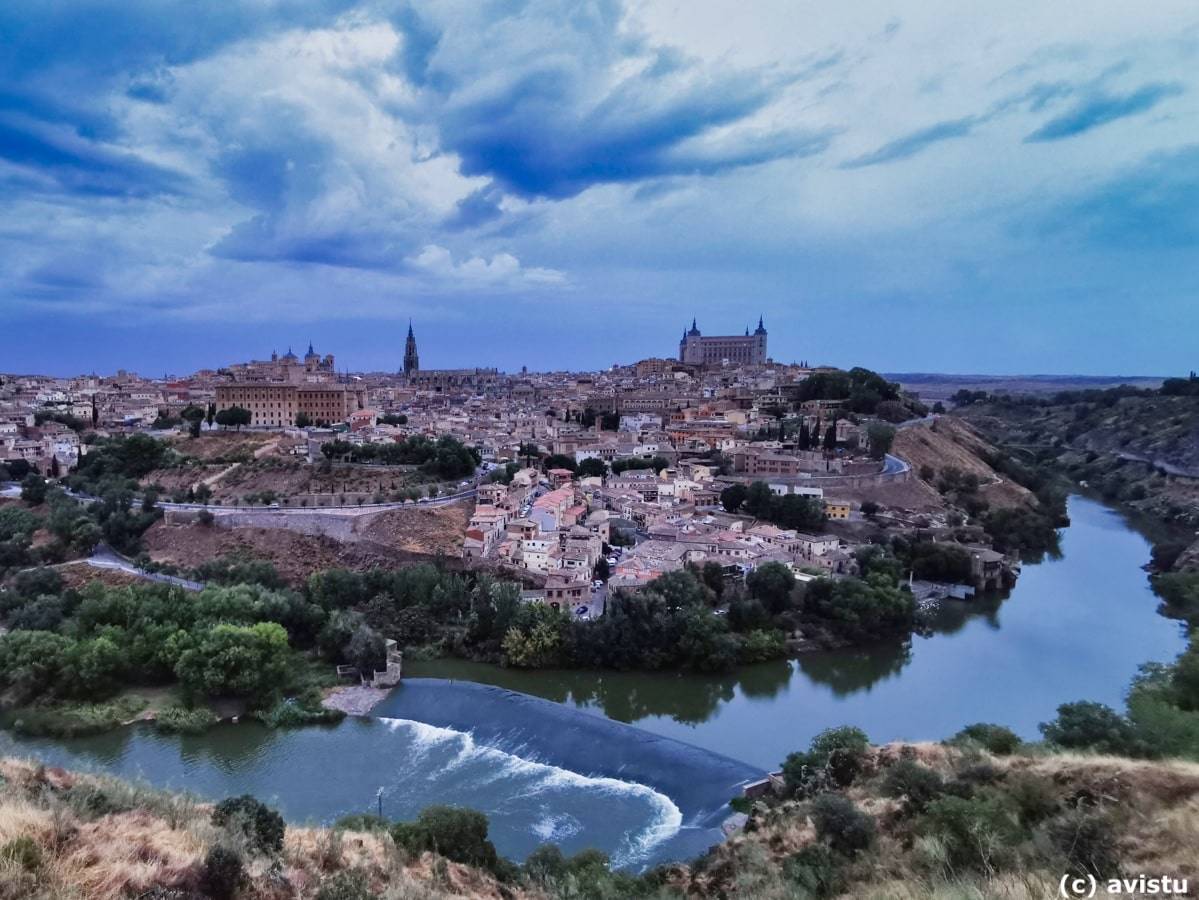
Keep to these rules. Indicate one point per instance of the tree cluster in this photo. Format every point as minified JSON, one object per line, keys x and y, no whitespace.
{"x":446,"y":458}
{"x":791,"y":511}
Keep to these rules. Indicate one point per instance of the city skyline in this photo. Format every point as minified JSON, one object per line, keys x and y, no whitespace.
{"x":1009,"y":191}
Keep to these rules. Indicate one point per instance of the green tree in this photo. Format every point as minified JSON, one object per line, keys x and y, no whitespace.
{"x":303,"y":420}
{"x":772,"y":584}
{"x":248,"y":661}
{"x":880,"y":437}
{"x":1086,"y":725}
{"x":194,"y":416}
{"x":759,"y":500}
{"x":235,"y":416}
{"x":679,"y":589}
{"x":592,"y":468}
{"x":32,"y":662}
{"x":560,"y":461}
{"x":833,"y":759}
{"x":16,"y":522}
{"x":33,"y":489}
{"x":733,"y":497}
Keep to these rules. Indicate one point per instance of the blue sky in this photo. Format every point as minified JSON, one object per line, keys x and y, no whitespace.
{"x":911,"y":187}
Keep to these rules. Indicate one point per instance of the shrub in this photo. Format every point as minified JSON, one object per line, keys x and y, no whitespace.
{"x":457,"y":834}
{"x":182,"y":720}
{"x":291,"y":713}
{"x":545,"y":864}
{"x":835,"y":755}
{"x":844,"y":827}
{"x":976,"y":832}
{"x":90,"y":801}
{"x":222,"y":873}
{"x":817,"y":871}
{"x":350,"y":885}
{"x":1086,"y":839}
{"x":1087,"y":725}
{"x":995,"y":739}
{"x":917,"y":784}
{"x":1034,"y":797}
{"x":362,"y":822}
{"x":262,"y":827}
{"x":23,"y":852}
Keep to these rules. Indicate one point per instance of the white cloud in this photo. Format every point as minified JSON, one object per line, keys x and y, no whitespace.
{"x":502,"y":270}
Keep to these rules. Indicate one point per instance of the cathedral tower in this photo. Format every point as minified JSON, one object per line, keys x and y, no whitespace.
{"x":411,"y":359}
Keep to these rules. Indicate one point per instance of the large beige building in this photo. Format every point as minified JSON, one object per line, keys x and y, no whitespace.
{"x":276,"y":392}
{"x":748,"y":349}
{"x":278,"y":405}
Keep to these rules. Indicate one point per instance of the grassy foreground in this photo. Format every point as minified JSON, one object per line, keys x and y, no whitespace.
{"x":913,"y":821}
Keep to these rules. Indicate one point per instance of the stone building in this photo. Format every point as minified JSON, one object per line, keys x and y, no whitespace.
{"x":748,"y":349}
{"x":278,"y":405}
{"x":278,"y":391}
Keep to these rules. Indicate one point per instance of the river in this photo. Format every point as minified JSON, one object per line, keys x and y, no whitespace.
{"x":561,"y":769}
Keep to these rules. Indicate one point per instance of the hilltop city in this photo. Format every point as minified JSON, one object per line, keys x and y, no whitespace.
{"x":578,"y":484}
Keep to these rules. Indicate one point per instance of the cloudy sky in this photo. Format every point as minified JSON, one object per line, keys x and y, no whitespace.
{"x":931,"y":186}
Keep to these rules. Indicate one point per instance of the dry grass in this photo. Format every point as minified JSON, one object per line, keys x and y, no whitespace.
{"x":141,"y":841}
{"x":1156,"y":805}
{"x":129,"y":853}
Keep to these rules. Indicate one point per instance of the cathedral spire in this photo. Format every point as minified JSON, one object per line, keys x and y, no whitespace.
{"x":411,"y":359}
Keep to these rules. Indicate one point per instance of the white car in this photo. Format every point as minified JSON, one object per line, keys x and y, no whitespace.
{"x":597,"y":584}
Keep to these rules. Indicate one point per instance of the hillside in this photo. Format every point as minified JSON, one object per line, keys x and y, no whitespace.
{"x":386,"y":540}
{"x":914,"y":821}
{"x":950,"y":443}
{"x":1140,"y":449}
{"x":66,"y":835}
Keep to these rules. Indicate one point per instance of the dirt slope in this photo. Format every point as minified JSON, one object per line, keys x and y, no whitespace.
{"x":949,"y":442}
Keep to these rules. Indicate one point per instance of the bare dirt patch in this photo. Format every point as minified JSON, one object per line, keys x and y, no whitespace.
{"x":294,"y":555}
{"x":80,"y":575}
{"x":432,"y":530}
{"x":217,"y":445}
{"x":949,"y":442}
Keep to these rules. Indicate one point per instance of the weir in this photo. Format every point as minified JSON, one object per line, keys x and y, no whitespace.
{"x":699,"y":782}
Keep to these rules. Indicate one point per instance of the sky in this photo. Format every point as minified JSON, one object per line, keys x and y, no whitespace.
{"x":932,"y":187}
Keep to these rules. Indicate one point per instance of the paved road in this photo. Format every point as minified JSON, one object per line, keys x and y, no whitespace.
{"x":893,"y":465}
{"x":104,"y":557}
{"x":309,"y":510}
